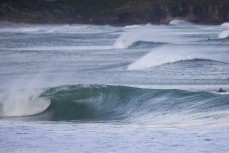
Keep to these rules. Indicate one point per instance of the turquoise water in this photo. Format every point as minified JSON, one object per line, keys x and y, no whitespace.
{"x":87,"y":88}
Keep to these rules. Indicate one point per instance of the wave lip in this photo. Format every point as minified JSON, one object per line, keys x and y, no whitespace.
{"x":63,"y":48}
{"x":44,"y":29}
{"x":173,"y":53}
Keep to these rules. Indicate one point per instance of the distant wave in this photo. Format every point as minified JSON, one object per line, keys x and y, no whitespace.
{"x":179,"y":22}
{"x":105,"y":103}
{"x":44,"y":29}
{"x":170,"y":54}
{"x":63,"y":48}
{"x":225,"y":24}
{"x":224,"y":34}
{"x":132,"y":26}
{"x":145,"y":44}
{"x":147,"y":34}
{"x":200,"y":60}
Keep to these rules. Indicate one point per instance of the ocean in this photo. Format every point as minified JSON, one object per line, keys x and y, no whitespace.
{"x":114,"y":89}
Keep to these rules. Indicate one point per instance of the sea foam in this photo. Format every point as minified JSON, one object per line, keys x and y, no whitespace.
{"x":179,"y":22}
{"x":22,"y":103}
{"x":147,"y":33}
{"x":223,"y":34}
{"x":159,"y":56}
{"x":225,"y":24}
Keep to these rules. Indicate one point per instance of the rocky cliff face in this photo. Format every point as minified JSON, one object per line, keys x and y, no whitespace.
{"x":113,"y":11}
{"x":163,"y":11}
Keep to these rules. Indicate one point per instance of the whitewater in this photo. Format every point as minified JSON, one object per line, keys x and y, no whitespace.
{"x":138,"y":88}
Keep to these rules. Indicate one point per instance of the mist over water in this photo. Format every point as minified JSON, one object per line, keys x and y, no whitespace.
{"x":99,"y":77}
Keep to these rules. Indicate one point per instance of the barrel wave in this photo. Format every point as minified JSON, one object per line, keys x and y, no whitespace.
{"x":130,"y":104}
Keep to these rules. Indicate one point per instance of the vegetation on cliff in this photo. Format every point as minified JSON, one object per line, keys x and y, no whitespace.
{"x":113,"y":11}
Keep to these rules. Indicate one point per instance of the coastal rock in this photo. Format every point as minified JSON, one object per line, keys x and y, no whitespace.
{"x":120,"y":12}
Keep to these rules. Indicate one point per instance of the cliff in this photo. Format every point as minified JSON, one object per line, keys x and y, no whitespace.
{"x":113,"y":11}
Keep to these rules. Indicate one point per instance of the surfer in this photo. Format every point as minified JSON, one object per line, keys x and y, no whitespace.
{"x":221,"y":90}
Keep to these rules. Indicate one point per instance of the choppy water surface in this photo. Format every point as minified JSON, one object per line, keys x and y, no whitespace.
{"x":85,"y":88}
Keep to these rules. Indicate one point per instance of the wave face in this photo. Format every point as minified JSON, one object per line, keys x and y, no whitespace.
{"x":152,"y":106}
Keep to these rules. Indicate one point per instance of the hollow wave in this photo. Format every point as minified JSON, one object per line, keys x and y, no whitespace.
{"x":151,"y":106}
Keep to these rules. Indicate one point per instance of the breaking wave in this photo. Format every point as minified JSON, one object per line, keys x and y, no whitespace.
{"x":224,"y":34}
{"x":147,"y":33}
{"x":225,"y":24}
{"x":106,"y":103}
{"x":179,"y":22}
{"x":170,"y":54}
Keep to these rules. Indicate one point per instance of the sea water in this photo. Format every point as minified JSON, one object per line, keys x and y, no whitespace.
{"x":138,"y":88}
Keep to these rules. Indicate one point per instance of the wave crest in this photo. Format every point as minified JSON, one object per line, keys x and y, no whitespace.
{"x":160,"y":56}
